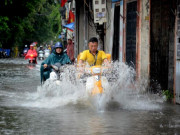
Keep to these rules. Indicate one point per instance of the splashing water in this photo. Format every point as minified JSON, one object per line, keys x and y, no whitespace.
{"x":126,"y":91}
{"x":123,"y":90}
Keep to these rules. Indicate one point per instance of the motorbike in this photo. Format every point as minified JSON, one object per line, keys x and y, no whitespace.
{"x":65,"y":50}
{"x":97,"y":83}
{"x":41,"y":55}
{"x":55,"y":74}
{"x":3,"y":54}
{"x":32,"y":59}
{"x":46,"y":53}
{"x":98,"y":88}
{"x":25,"y":52}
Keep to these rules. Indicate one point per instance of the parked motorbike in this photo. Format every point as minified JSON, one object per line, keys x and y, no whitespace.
{"x":3,"y":54}
{"x":46,"y":53}
{"x":41,"y":55}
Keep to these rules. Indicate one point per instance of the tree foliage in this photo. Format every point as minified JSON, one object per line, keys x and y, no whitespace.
{"x":23,"y":22}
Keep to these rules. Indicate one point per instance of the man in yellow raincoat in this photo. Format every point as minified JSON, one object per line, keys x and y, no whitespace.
{"x":93,"y":56}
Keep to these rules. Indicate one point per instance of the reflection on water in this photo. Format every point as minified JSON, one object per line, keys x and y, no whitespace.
{"x":26,"y":107}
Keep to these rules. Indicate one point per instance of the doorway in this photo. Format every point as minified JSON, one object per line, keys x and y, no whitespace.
{"x":162,"y":43}
{"x":115,"y":54}
{"x":131,"y":19}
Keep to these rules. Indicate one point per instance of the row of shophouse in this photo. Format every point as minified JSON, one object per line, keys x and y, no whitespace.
{"x":142,"y":33}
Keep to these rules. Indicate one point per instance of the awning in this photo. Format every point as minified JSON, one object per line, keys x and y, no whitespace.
{"x":59,"y":36}
{"x":70,"y":26}
{"x":115,"y":0}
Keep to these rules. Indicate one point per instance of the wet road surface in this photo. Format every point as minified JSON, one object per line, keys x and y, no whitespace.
{"x":24,"y":109}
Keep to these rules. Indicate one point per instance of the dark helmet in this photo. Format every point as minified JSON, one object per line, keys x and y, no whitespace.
{"x":58,"y":45}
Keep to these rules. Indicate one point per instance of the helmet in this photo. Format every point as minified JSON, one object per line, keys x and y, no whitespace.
{"x":25,"y":45}
{"x":58,"y":45}
{"x":31,"y":46}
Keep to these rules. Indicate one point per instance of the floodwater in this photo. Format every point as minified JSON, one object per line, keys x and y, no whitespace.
{"x":26,"y":107}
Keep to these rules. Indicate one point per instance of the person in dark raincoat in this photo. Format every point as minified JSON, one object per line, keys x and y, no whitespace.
{"x":57,"y":56}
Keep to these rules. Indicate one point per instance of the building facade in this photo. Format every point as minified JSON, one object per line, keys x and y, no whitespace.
{"x":142,"y":33}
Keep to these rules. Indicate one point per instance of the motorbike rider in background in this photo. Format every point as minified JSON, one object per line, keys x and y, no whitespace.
{"x":47,"y":52}
{"x":41,"y":53}
{"x":49,"y":47}
{"x":33,"y":52}
{"x":25,"y":50}
{"x":57,"y":56}
{"x":41,"y":48}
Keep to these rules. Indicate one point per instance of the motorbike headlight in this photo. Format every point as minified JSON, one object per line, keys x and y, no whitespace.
{"x":96,"y":70}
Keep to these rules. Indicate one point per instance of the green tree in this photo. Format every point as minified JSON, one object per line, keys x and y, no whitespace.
{"x":22,"y":22}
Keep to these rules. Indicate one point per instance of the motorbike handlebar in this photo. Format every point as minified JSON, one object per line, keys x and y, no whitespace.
{"x":96,"y":69}
{"x":56,"y":68}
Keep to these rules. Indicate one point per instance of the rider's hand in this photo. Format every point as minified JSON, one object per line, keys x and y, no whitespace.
{"x":45,"y":65}
{"x":107,"y":64}
{"x":81,"y":69}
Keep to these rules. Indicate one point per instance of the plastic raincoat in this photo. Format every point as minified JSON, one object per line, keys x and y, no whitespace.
{"x":70,"y":51}
{"x":53,"y":58}
{"x":31,"y":52}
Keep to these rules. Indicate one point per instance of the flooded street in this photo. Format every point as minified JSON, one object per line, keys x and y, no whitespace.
{"x":28,"y":108}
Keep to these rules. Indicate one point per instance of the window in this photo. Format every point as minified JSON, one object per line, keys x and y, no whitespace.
{"x":96,"y":2}
{"x":103,"y":2}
